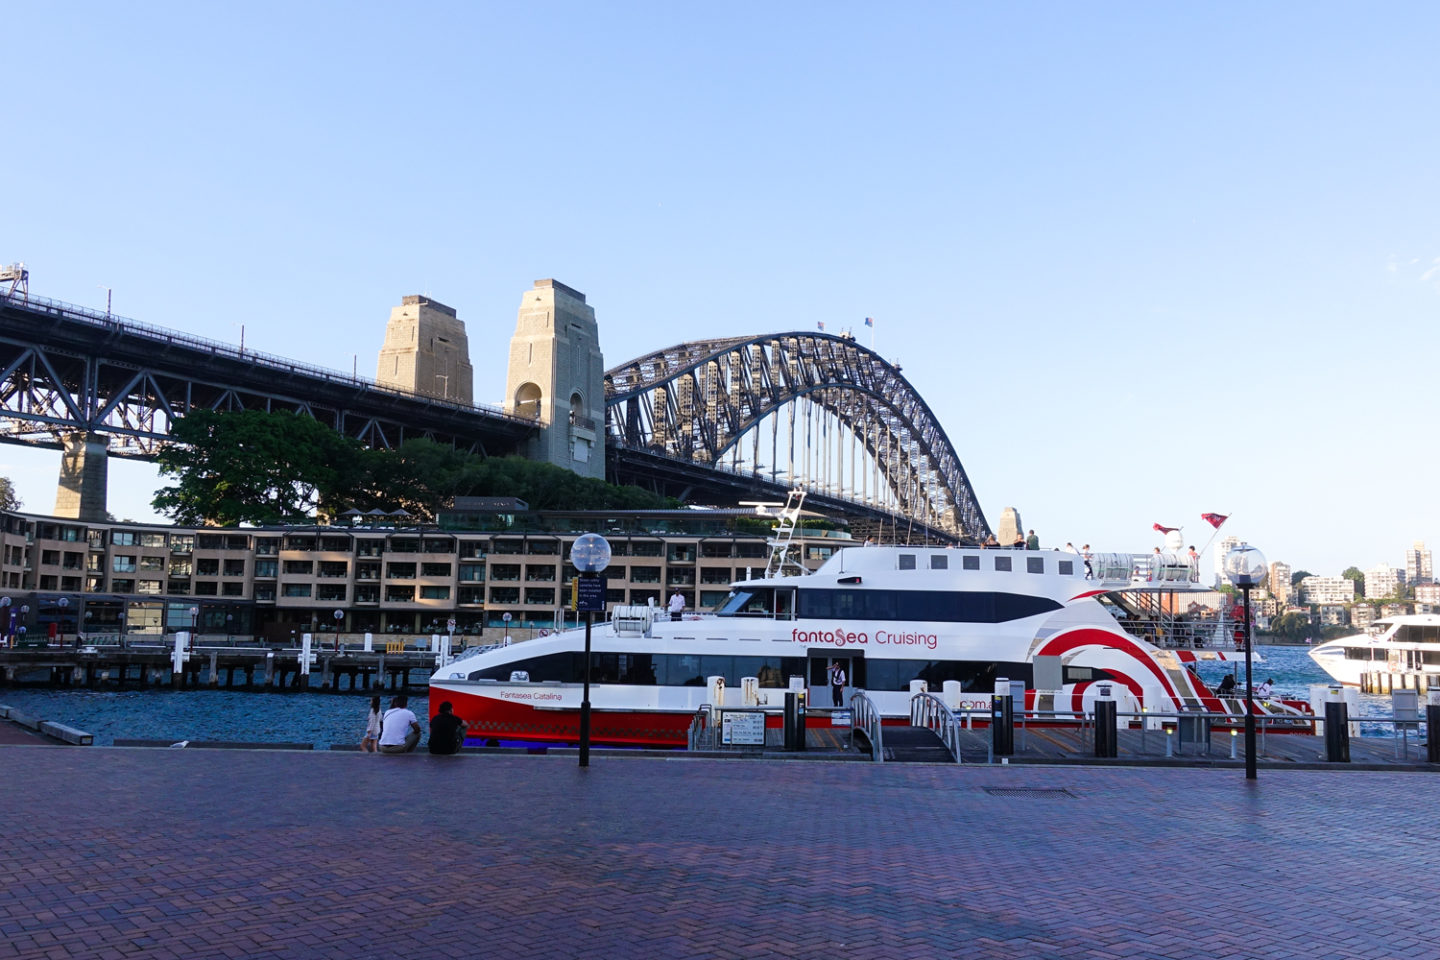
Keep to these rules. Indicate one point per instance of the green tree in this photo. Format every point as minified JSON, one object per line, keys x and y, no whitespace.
{"x":1353,"y":573}
{"x":9,"y":499}
{"x":1299,"y":575}
{"x":1291,"y":627}
{"x":254,"y":467}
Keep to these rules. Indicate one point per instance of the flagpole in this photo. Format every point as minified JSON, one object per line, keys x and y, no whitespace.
{"x":1215,"y":533}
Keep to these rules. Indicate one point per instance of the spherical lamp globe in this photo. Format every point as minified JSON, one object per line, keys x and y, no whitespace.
{"x":1245,"y":566}
{"x":590,"y":553}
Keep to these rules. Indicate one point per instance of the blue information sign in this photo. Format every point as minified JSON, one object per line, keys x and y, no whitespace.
{"x":590,"y":594}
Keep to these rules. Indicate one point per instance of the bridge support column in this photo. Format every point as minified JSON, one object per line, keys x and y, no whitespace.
{"x":84,"y":472}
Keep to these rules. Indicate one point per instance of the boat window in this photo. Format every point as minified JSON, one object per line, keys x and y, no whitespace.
{"x":972,"y":674}
{"x":746,"y":603}
{"x":1034,"y":564}
{"x":646,"y":669}
{"x":1002,"y":563}
{"x":970,"y":563}
{"x":945,"y":606}
{"x":1066,"y":567}
{"x":938,"y":561}
{"x":907,"y":561}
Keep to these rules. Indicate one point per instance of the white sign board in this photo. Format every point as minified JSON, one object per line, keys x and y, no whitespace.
{"x":742,"y":729}
{"x":839,"y":718}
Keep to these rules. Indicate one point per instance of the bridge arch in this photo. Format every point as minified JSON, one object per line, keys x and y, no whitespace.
{"x":853,"y":427}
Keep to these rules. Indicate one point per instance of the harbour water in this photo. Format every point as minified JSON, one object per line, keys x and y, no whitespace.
{"x":338,"y":719}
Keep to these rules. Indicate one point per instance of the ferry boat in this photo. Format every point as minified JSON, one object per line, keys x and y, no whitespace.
{"x":1394,"y":652}
{"x":956,"y":619}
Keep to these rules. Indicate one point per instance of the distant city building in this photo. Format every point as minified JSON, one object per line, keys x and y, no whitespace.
{"x":1394,"y":610}
{"x":1279,"y":583}
{"x":1362,"y":615}
{"x":1427,"y":592}
{"x":1417,"y":564}
{"x":1222,"y":548}
{"x":1382,"y":581}
{"x":1333,"y":615}
{"x":1326,"y":590}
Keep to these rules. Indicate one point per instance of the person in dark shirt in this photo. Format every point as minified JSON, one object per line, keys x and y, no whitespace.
{"x":447,"y":731}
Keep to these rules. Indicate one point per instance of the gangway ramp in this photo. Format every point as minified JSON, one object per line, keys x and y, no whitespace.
{"x":915,"y":745}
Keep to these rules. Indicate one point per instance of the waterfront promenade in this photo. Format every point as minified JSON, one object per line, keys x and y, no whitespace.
{"x":113,"y":852}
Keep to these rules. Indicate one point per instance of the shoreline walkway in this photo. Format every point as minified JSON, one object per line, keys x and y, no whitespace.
{"x":115,"y":852}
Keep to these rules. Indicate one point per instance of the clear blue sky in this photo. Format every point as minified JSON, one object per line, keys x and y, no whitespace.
{"x":1143,"y":260}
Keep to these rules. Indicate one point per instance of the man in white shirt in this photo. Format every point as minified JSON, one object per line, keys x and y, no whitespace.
{"x":677,"y":605}
{"x":399,"y":730}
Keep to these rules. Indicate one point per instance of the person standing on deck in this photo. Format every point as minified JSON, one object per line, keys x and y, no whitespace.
{"x":677,"y":605}
{"x":837,"y":684}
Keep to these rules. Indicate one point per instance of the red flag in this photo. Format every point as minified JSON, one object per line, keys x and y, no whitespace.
{"x":1214,"y":519}
{"x":1165,"y":529}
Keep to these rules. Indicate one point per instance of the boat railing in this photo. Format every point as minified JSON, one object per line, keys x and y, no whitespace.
{"x":932,"y":713}
{"x":866,"y":718}
{"x":1176,"y":634}
{"x":1150,"y":569}
{"x":702,"y":733}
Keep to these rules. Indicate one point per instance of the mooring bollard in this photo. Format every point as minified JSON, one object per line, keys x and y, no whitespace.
{"x":1002,"y":721}
{"x":1337,"y":732}
{"x":1169,"y":741}
{"x":1234,"y":736}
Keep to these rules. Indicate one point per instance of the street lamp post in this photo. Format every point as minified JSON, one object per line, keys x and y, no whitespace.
{"x":1245,"y":568}
{"x":339,"y":616}
{"x":7,"y":613}
{"x":194,"y":626}
{"x":589,"y":554}
{"x":63,"y":603}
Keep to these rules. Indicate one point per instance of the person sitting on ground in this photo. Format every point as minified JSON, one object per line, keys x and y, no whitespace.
{"x":399,"y":730}
{"x":447,"y":731}
{"x":1227,"y":686}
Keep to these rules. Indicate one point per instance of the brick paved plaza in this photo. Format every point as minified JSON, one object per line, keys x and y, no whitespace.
{"x":112,"y":852}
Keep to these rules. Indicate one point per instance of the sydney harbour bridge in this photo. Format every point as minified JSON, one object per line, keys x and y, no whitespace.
{"x":711,"y":421}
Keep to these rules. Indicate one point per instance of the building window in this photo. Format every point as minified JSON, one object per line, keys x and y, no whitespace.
{"x":123,"y":538}
{"x":122,"y":586}
{"x":232,"y":589}
{"x":182,"y":543}
{"x":266,"y":568}
{"x":152,"y":564}
{"x":208,"y":566}
{"x":152,"y":540}
{"x":435,"y":569}
{"x":206,"y":588}
{"x":400,"y":571}
{"x":297,"y":589}
{"x":180,"y":567}
{"x":299,"y":568}
{"x":472,"y":572}
{"x":434,"y":593}
{"x":235,"y":567}
{"x":149,"y":586}
{"x":122,"y":564}
{"x":265,"y":592}
{"x":330,"y":591}
{"x":394,"y":594}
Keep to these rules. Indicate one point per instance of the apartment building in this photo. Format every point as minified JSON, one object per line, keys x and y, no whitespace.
{"x":376,"y":576}
{"x":1326,"y":590}
{"x":1382,"y":581}
{"x":1278,"y":583}
{"x":1418,"y":568}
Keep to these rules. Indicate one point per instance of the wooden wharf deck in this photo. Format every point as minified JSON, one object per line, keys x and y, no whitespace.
{"x":231,"y":668}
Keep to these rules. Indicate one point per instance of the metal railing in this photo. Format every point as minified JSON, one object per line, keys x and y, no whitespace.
{"x":866,"y":717}
{"x":932,"y":713}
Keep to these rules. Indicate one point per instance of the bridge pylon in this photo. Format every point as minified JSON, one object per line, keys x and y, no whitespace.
{"x":84,"y":472}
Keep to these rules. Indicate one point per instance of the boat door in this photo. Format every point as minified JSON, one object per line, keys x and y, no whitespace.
{"x":818,"y":679}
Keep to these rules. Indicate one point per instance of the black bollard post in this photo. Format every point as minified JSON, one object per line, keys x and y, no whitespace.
{"x":1337,"y":732}
{"x":1432,"y":732}
{"x":1106,"y":739}
{"x":1002,"y":725}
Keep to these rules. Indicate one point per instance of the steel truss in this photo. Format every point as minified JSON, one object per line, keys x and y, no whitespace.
{"x":66,"y":370}
{"x":699,"y":401}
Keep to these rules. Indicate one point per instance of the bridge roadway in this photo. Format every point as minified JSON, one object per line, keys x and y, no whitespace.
{"x":115,"y":852}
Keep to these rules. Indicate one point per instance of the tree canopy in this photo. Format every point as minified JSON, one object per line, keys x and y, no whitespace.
{"x":9,"y":499}
{"x":268,"y":468}
{"x":256,"y":467}
{"x":1356,"y":575}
